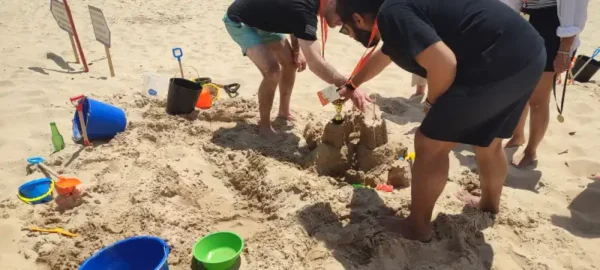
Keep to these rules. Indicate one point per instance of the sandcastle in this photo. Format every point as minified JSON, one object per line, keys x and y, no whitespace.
{"x":358,"y":151}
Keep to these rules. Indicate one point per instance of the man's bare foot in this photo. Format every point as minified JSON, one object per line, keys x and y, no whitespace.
{"x":595,"y":177}
{"x":523,"y":160}
{"x":267,"y":133}
{"x":287,"y":117}
{"x":515,"y":142}
{"x":468,"y":198}
{"x":476,"y":202}
{"x":406,"y":229}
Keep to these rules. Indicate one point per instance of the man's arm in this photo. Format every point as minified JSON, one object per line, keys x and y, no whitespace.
{"x":375,"y":65}
{"x":440,"y":63}
{"x":295,"y":46}
{"x":318,"y":65}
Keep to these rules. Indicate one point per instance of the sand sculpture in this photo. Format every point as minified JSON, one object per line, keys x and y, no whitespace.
{"x":358,"y":151}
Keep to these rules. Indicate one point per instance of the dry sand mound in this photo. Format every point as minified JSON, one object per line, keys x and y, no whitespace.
{"x":181,"y":177}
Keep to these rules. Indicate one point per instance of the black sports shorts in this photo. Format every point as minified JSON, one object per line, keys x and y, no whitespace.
{"x":545,"y":21}
{"x":477,"y":114}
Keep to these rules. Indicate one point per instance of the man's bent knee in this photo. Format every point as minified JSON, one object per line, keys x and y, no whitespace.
{"x":430,"y":147}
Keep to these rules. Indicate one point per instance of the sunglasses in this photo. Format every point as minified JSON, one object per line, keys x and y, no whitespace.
{"x":344,"y":30}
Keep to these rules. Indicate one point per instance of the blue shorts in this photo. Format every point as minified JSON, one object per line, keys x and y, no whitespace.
{"x":248,"y":37}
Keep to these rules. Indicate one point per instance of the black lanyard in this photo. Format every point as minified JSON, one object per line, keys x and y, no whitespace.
{"x":562,"y":100}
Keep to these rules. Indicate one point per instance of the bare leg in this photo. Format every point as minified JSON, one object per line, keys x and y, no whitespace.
{"x":430,"y":173}
{"x":539,"y":105}
{"x":420,"y":90}
{"x":492,"y":165}
{"x":269,"y":68}
{"x":518,"y":137}
{"x":421,"y":84}
{"x":283,"y":52}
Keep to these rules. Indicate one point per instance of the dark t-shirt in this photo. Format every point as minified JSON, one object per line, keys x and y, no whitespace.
{"x":297,"y":17}
{"x":490,"y":40}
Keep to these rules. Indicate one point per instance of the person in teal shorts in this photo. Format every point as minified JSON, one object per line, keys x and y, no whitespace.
{"x":259,"y":28}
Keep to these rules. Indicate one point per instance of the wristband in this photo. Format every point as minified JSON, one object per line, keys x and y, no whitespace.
{"x":428,"y":104}
{"x":350,"y":86}
{"x":565,"y":53}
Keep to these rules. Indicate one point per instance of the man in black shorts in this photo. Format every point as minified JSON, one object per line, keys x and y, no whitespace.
{"x":482,"y":62}
{"x":258,"y":27}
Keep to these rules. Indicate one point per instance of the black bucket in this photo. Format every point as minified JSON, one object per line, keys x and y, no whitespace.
{"x":182,"y":96}
{"x":588,"y":71}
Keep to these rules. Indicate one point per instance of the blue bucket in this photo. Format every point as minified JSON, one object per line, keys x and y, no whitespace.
{"x":103,"y":121}
{"x":138,"y":252}
{"x":36,"y":191}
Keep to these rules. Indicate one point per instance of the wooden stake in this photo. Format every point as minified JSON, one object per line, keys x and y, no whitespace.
{"x":181,"y":69}
{"x":110,"y":64}
{"x":74,"y":49}
{"x":85,"y":65}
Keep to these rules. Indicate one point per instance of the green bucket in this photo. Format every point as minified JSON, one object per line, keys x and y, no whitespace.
{"x":219,"y":250}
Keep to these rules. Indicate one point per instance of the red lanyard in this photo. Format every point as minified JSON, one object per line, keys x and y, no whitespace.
{"x":324,"y":28}
{"x":367,"y":54}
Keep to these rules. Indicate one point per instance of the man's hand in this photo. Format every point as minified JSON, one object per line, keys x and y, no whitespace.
{"x":358,"y":97}
{"x":299,"y":60}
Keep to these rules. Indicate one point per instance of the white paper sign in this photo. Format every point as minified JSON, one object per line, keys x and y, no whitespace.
{"x":59,"y":12}
{"x":101,"y":30}
{"x":328,"y":95}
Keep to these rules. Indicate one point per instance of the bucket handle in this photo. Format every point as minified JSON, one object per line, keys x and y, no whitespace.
{"x":197,"y":74}
{"x":78,"y":99}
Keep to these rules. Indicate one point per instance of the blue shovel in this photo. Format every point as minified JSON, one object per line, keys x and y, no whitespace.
{"x":178,"y":53}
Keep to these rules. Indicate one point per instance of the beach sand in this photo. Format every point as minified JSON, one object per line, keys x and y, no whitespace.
{"x":180,"y":178}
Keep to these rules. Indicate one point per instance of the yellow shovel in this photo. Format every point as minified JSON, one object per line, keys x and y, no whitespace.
{"x":54,"y":230}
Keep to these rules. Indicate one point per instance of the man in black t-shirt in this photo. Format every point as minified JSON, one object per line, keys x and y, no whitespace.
{"x":258,"y":27}
{"x":482,"y":62}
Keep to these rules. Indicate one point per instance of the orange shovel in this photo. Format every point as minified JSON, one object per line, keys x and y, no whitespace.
{"x":64,"y":186}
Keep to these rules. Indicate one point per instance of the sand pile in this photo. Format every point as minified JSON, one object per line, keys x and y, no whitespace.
{"x":358,"y":150}
{"x":181,"y":177}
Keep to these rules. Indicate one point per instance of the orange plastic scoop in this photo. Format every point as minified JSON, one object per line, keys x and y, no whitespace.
{"x":65,"y":186}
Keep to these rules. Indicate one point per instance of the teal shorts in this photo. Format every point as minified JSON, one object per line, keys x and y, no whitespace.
{"x":248,"y":37}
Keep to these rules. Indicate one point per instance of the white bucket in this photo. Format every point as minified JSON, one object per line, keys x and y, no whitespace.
{"x":158,"y":83}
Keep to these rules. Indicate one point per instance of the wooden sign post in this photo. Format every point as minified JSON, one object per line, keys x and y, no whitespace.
{"x":62,"y":14}
{"x":102,"y":33}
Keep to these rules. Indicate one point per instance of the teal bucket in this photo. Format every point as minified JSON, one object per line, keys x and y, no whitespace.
{"x":103,"y":121}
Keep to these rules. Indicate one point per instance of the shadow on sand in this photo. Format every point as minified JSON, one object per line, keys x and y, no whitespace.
{"x":358,"y":241}
{"x":585,"y":213}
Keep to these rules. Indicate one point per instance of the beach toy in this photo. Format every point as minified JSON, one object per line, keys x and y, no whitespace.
{"x":219,"y":250}
{"x":410,"y":156}
{"x":57,"y":140}
{"x":182,"y":97}
{"x":54,"y":230}
{"x":103,"y":121}
{"x":138,"y":252}
{"x":178,"y":53}
{"x":36,"y":191}
{"x":64,"y":186}
{"x":205,"y":101}
{"x":360,"y":186}
{"x":585,"y":67}
{"x":384,"y":187}
{"x":230,"y":89}
{"x":154,"y":83}
{"x":79,"y":107}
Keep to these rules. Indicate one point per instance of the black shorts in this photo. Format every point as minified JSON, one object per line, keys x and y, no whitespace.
{"x":477,"y":114}
{"x":545,"y":21}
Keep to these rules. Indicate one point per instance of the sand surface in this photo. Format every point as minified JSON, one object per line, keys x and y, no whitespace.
{"x":180,"y":178}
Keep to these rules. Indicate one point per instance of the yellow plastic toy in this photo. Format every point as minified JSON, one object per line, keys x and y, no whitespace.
{"x":55,"y":230}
